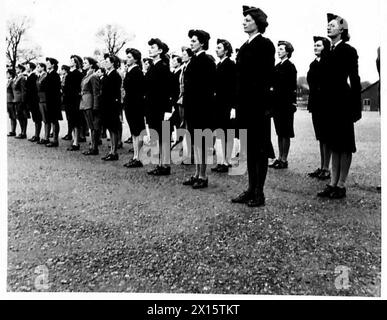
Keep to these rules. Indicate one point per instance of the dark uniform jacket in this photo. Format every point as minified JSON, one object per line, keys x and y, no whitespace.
{"x":255,"y":66}
{"x":32,"y":98}
{"x":344,"y":94}
{"x":72,"y":88}
{"x":317,"y":81}
{"x":111,"y":91}
{"x":199,"y":92}
{"x":111,"y":100}
{"x":225,"y":91}
{"x":134,"y":90}
{"x":53,"y":96}
{"x":344,"y":86}
{"x":158,"y":90}
{"x":284,"y":88}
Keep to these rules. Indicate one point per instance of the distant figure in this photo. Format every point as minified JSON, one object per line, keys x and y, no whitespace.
{"x":53,"y":100}
{"x":32,"y":99}
{"x":10,"y":104}
{"x":71,"y":100}
{"x":317,"y":103}
{"x":90,"y":103}
{"x":285,"y":102}
{"x":111,"y":103}
{"x":225,"y":90}
{"x":134,"y":102}
{"x":19,"y":98}
{"x":157,"y":99}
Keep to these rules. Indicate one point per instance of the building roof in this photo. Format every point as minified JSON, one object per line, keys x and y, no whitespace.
{"x":370,"y":86}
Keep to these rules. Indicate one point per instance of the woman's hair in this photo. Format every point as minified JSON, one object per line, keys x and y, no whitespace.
{"x":326,"y":44}
{"x":43,"y":65}
{"x":65,"y":68}
{"x":345,"y":35}
{"x":31,"y":65}
{"x":113,"y":59}
{"x":226,"y":45}
{"x":78,"y":61}
{"x":178,"y":58}
{"x":93,"y":63}
{"x":102,"y":70}
{"x":188,"y":50}
{"x":164,"y":49}
{"x":136,"y":55}
{"x":149,"y":60}
{"x":203,"y":37}
{"x":54,"y":63}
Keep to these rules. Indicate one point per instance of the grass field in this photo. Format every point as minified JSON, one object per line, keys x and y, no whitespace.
{"x":93,"y":226}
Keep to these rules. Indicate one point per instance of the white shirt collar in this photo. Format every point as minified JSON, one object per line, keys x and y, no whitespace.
{"x":224,"y":58}
{"x":282,"y":61}
{"x":131,"y":67}
{"x":337,"y":43}
{"x":200,"y":52}
{"x":253,"y":37}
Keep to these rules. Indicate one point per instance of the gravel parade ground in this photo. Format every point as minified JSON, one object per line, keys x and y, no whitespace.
{"x":77,"y":223}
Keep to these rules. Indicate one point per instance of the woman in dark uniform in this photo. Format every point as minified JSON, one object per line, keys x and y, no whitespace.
{"x":134,"y":102}
{"x":317,"y":77}
{"x":344,"y":106}
{"x":157,"y":100}
{"x":225,"y":90}
{"x":285,"y":102}
{"x":71,"y":99}
{"x":19,"y":96}
{"x":41,"y":85}
{"x":90,"y":103}
{"x":53,"y":100}
{"x":255,"y":66}
{"x":32,"y":100}
{"x":111,"y":103}
{"x":199,"y":98}
{"x":10,"y":104}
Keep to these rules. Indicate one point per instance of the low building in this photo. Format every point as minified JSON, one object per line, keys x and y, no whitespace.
{"x":370,"y":97}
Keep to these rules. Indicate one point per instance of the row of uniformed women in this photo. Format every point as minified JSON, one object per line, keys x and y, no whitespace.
{"x":247,"y":85}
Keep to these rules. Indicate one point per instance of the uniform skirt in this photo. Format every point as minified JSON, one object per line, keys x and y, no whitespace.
{"x":283,"y":122}
{"x":74,"y":115}
{"x":21,"y":111}
{"x":11,"y":110}
{"x":135,"y":119}
{"x":54,"y":112}
{"x":319,"y":125}
{"x":111,"y":118}
{"x":35,"y":112}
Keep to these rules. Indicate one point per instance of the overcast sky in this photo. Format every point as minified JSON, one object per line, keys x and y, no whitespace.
{"x":65,"y":27}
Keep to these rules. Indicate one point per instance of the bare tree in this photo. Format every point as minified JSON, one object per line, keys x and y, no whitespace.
{"x":114,"y":38}
{"x":29,"y":54}
{"x":16,"y":30}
